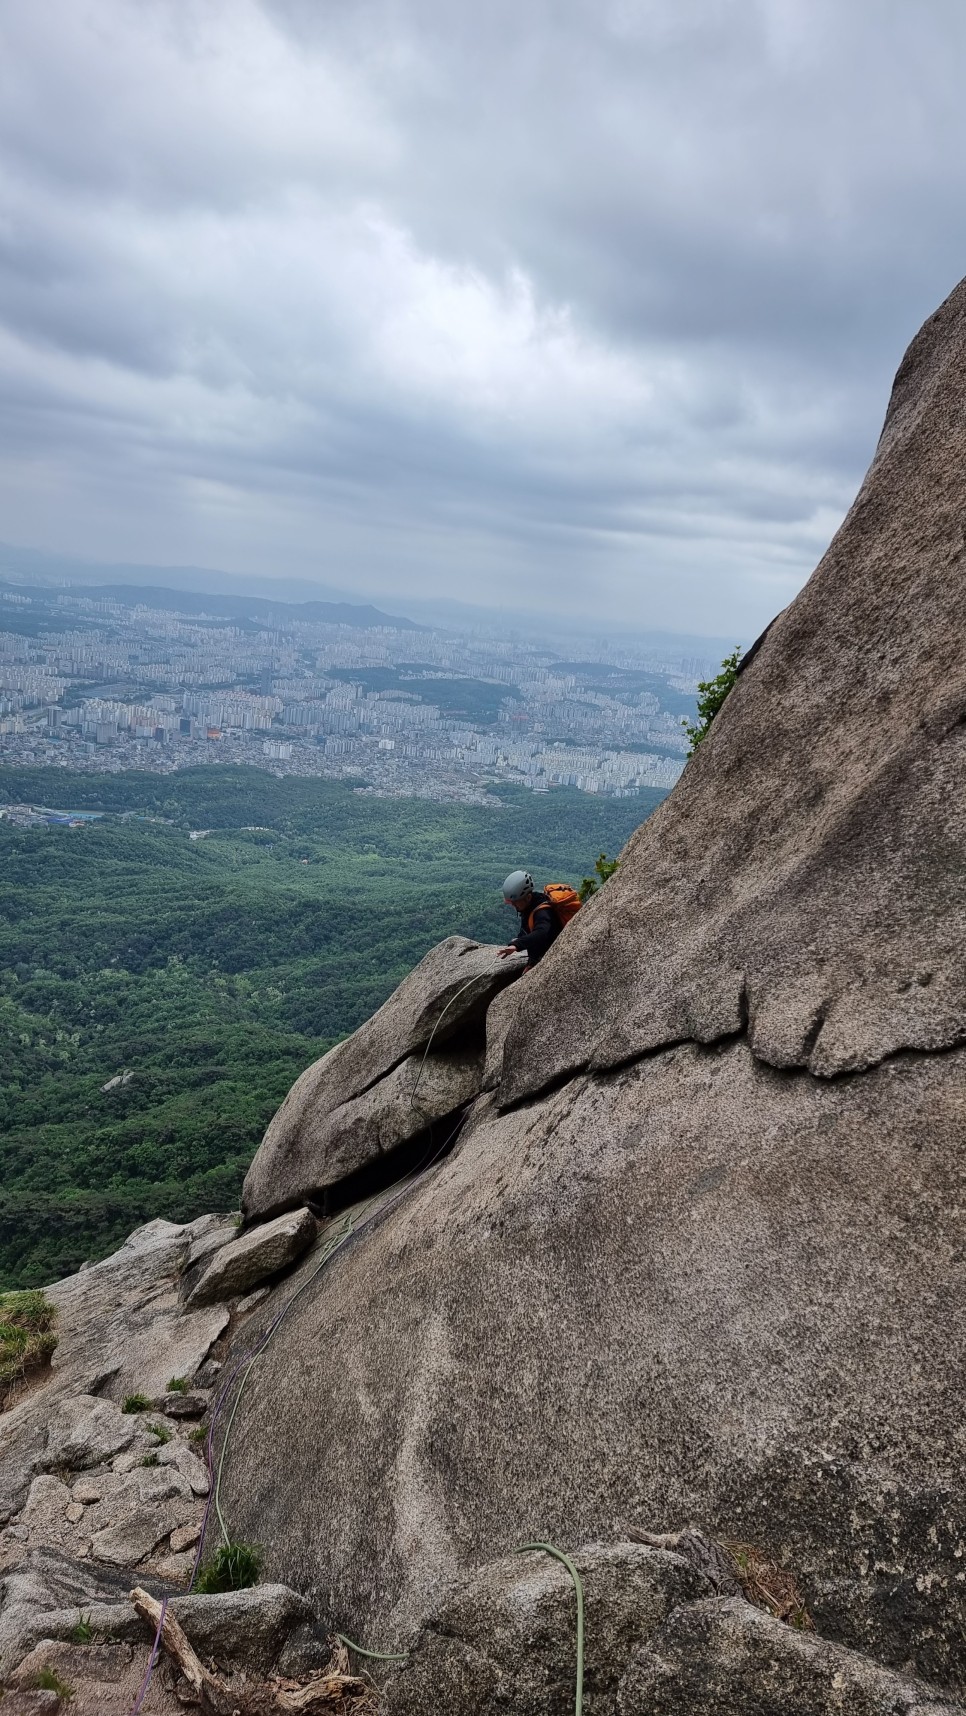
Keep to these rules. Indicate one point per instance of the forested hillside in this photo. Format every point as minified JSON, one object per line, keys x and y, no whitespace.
{"x":214,"y":970}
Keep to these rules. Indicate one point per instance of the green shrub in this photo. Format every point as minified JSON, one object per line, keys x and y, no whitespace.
{"x":82,"y":1633}
{"x":150,"y":1460}
{"x":178,"y":1385}
{"x":604,"y":868}
{"x":198,"y":1434}
{"x":233,"y":1567}
{"x":161,"y":1431}
{"x":136,"y":1403}
{"x":711,"y":695}
{"x":26,"y":1336}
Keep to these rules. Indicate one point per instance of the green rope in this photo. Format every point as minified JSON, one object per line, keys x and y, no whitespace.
{"x":329,"y":1250}
{"x":419,"y":1074}
{"x":558,"y":1555}
{"x":374,"y":1655}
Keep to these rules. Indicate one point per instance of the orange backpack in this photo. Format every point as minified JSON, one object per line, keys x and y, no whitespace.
{"x":565,"y":902}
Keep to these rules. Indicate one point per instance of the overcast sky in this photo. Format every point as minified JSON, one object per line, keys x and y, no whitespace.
{"x":586,"y":303}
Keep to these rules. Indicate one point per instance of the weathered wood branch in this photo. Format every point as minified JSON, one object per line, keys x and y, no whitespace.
{"x":220,"y":1698}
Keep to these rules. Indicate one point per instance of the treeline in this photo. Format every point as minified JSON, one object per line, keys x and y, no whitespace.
{"x":214,"y":971}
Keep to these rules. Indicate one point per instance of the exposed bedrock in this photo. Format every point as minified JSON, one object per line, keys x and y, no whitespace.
{"x":697,"y":1289}
{"x":698,"y":1254}
{"x":380,"y":1088}
{"x":808,"y":869}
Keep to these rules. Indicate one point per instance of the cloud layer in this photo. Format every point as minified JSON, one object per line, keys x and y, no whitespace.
{"x":478,"y":302}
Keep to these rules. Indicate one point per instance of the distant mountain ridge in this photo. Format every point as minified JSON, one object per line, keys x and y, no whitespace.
{"x":363,"y":616}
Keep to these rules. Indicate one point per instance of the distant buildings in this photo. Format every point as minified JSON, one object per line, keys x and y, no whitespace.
{"x":109,"y":686}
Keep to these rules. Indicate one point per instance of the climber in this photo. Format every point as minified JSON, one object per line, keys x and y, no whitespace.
{"x":542,"y":915}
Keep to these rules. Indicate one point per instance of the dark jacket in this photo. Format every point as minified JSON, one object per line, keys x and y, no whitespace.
{"x":539,"y":928}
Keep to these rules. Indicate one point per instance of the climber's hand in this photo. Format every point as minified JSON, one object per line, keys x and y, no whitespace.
{"x":505,"y":952}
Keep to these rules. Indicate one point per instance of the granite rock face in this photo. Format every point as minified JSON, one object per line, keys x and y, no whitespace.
{"x":320,"y":1132}
{"x":803,"y":882}
{"x":698,"y":1256}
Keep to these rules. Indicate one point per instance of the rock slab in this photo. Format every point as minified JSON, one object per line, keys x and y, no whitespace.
{"x":443,"y":999}
{"x":248,"y":1260}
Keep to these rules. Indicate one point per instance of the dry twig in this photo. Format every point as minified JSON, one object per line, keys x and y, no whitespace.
{"x":336,"y":1691}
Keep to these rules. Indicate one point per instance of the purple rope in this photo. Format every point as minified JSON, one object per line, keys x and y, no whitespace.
{"x":152,"y":1659}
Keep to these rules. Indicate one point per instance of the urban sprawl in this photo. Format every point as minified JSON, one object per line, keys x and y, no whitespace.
{"x":103,"y":683}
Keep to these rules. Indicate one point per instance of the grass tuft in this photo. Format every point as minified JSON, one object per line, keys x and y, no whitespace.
{"x":82,"y":1633}
{"x":161,"y":1431}
{"x":233,"y":1567}
{"x":27,"y":1339}
{"x":136,"y":1403}
{"x":47,"y":1680}
{"x":150,"y":1460}
{"x":178,"y":1385}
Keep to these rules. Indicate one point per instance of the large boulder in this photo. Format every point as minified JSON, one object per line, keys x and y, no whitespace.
{"x":505,"y":1640}
{"x":707,"y":1264}
{"x":726,"y":1658}
{"x":338,"y":1113}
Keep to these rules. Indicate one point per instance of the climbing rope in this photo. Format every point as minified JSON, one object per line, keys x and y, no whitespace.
{"x":452,"y":999}
{"x":558,"y":1555}
{"x":524,"y":1549}
{"x":152,"y":1659}
{"x":374,"y":1655}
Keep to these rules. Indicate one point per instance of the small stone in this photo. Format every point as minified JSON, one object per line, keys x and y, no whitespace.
{"x":251,"y":1300}
{"x":87,"y":1491}
{"x":177,"y":1568}
{"x":176,"y":1405}
{"x":74,"y":1512}
{"x":126,"y":1462}
{"x":185,"y":1537}
{"x":18,"y":1533}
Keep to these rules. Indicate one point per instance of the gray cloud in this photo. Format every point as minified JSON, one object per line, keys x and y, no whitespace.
{"x":468,"y":301}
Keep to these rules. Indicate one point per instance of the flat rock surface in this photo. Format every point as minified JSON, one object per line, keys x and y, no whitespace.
{"x":247,"y":1260}
{"x":446,"y":994}
{"x":803,"y":880}
{"x":725,"y":1658}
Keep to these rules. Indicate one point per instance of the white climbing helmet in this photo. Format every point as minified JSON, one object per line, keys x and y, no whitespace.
{"x":518,"y":884}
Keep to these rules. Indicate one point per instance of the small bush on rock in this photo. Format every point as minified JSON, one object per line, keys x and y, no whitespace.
{"x":82,"y":1633}
{"x":711,"y":695}
{"x":233,"y":1567}
{"x":178,"y":1385}
{"x":604,"y":868}
{"x":136,"y":1403}
{"x":161,"y":1431}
